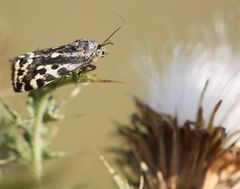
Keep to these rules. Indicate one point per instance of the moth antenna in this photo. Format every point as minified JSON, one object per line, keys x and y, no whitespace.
{"x":108,"y":43}
{"x":106,"y":40}
{"x":119,"y":16}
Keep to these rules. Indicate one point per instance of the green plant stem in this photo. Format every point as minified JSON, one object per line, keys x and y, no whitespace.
{"x":40,"y":108}
{"x":40,"y":101}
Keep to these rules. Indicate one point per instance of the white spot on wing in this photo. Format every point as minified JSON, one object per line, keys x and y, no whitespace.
{"x":30,"y":60}
{"x":40,"y":67}
{"x":33,"y":83}
{"x":54,"y":55}
{"x":16,"y":68}
{"x":16,"y":65}
{"x":25,"y":69}
{"x":31,"y":55}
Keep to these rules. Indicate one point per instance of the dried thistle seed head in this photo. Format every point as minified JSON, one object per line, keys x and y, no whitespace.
{"x":175,"y":84}
{"x":174,"y":156}
{"x":182,"y":137}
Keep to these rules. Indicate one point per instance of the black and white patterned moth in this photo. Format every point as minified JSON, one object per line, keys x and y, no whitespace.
{"x":36,"y":69}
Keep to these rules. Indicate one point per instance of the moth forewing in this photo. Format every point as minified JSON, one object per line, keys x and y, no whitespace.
{"x":36,"y":69}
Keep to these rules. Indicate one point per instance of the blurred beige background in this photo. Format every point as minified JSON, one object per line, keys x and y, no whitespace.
{"x":28,"y":25}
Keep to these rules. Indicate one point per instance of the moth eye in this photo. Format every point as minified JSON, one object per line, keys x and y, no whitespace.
{"x":76,"y":43}
{"x":99,"y":52}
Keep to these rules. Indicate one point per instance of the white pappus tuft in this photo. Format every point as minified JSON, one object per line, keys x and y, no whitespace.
{"x":175,"y":85}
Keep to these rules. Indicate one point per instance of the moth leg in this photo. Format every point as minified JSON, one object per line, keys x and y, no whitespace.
{"x":91,"y":67}
{"x":86,"y":69}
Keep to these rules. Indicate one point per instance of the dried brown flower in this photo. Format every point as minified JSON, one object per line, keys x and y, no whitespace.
{"x":171,"y":156}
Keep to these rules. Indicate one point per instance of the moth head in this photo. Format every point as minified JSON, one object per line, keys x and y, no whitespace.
{"x":100,"y":51}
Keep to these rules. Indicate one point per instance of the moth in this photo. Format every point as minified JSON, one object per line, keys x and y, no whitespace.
{"x":38,"y":68}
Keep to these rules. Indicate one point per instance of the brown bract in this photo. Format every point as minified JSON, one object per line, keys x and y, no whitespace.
{"x":170,"y":156}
